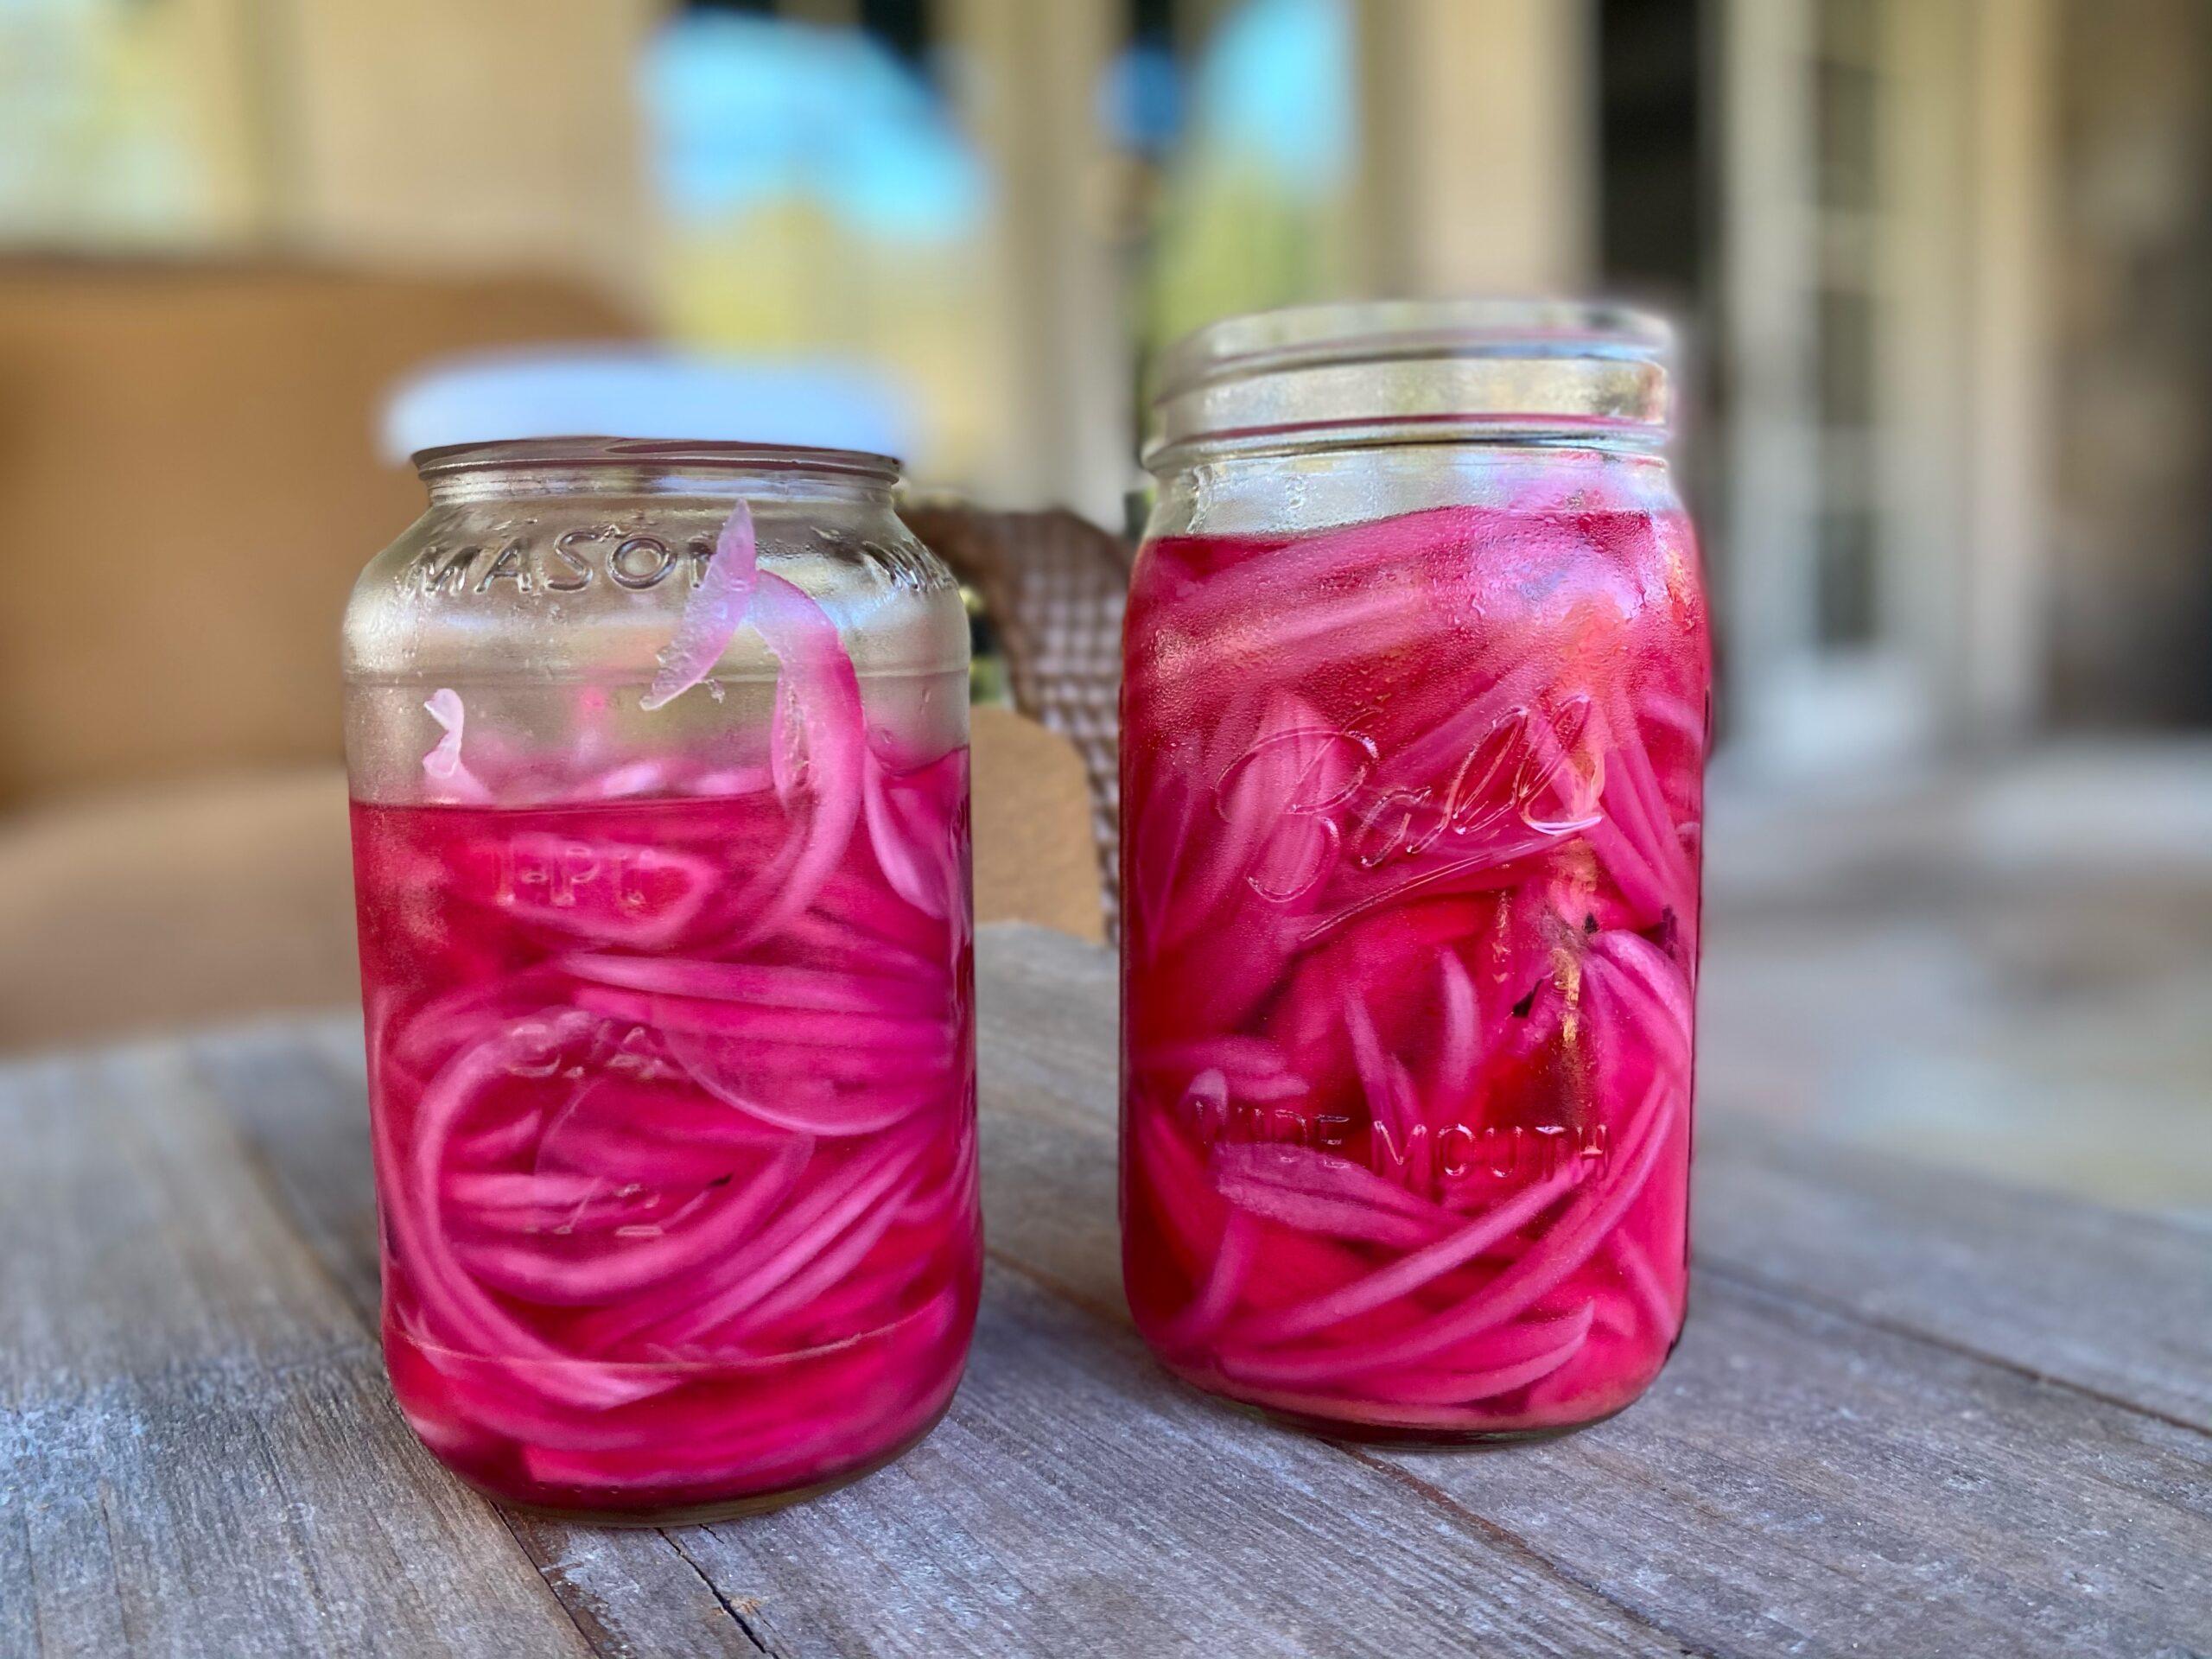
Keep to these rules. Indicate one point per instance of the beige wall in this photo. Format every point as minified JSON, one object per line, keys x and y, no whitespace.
{"x":456,"y":136}
{"x":480,"y":133}
{"x":189,"y":482}
{"x":1064,"y":366}
{"x":1479,"y":122}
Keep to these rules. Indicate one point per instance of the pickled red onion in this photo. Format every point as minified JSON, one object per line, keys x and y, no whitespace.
{"x":713,"y":612}
{"x":1410,"y":849}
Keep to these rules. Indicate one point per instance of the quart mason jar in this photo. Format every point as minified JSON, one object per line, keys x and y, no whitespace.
{"x":660,"y":829}
{"x":1414,"y":725}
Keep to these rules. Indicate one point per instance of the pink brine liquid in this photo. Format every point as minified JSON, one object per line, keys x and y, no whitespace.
{"x":1411,"y":878}
{"x":674,"y":1125}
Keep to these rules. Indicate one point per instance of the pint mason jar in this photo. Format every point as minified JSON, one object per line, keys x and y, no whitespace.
{"x":659,"y":756}
{"x":1414,"y":718}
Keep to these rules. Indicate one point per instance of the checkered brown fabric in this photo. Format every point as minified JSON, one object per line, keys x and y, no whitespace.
{"x":1054,"y":585}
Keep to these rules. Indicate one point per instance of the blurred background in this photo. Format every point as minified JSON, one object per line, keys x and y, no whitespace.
{"x":1941,"y":267}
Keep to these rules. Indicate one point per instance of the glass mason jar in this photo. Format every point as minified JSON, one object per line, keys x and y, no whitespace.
{"x":659,"y":769}
{"x":1414,"y":717}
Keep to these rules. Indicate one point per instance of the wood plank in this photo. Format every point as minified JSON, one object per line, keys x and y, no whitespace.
{"x":19,"y":1631}
{"x":635,"y":1595}
{"x":1800,"y":1482}
{"x":2114,"y":1304}
{"x":1803,"y":1477}
{"x":198,"y":1454}
{"x":299,"y":1096}
{"x":122,"y":1182}
{"x":1078,"y":1501}
{"x":299,"y":1101}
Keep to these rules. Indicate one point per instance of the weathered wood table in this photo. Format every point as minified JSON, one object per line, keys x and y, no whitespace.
{"x":1913,"y":1414}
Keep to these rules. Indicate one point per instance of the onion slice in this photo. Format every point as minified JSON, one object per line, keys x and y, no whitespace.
{"x":713,"y":612}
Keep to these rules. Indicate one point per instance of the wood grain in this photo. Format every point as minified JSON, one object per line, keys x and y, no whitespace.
{"x":1849,"y":1452}
{"x":198,"y":1453}
{"x":1912,"y":1414}
{"x":299,"y":1096}
{"x":1800,"y":1482}
{"x":1077,"y":1501}
{"x":2112,"y":1304}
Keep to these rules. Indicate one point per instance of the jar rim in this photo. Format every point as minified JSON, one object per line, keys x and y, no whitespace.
{"x":1426,"y":370}
{"x":701,"y":454}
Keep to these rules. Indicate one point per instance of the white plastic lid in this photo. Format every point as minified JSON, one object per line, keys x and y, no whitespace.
{"x":618,"y":391}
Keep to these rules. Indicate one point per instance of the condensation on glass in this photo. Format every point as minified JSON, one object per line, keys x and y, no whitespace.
{"x":658,"y":755}
{"x":1415,"y":711}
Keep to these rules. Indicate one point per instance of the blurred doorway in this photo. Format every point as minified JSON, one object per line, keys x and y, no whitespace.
{"x":1883,"y":166}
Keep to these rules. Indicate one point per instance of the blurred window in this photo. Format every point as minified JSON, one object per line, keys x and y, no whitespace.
{"x":902,"y":25}
{"x":1847,"y":54}
{"x":1850,"y":201}
{"x":1845,"y":102}
{"x":105,"y":138}
{"x":1255,"y":207}
{"x":818,"y":198}
{"x":1652,"y":164}
{"x":1845,"y":345}
{"x":1845,"y":576}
